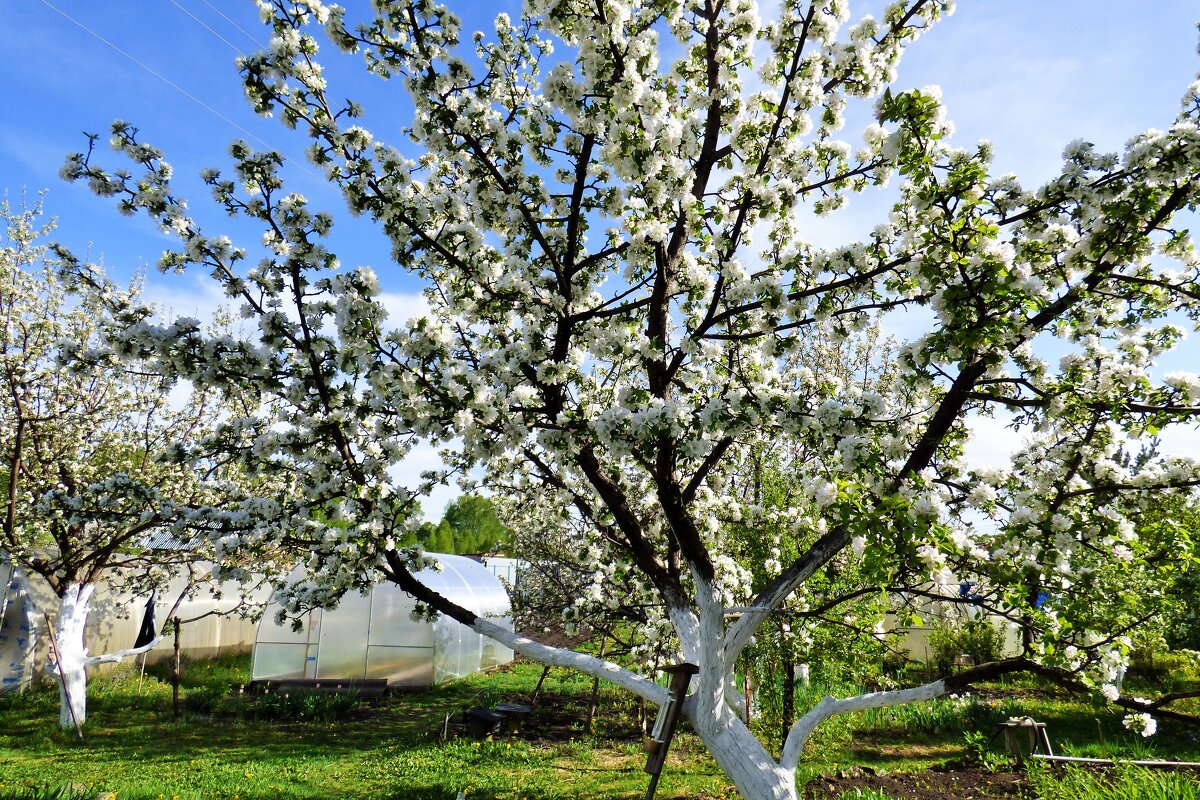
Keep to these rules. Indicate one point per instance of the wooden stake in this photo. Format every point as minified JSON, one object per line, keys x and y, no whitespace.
{"x":594,"y":702}
{"x":537,"y":691}
{"x":660,"y":741}
{"x":62,"y":678}
{"x":175,"y":671}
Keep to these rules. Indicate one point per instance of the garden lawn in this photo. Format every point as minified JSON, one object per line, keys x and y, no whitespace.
{"x":237,"y":748}
{"x":380,"y":749}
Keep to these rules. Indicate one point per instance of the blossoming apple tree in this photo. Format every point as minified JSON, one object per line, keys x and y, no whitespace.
{"x":86,"y":458}
{"x":605,"y":201}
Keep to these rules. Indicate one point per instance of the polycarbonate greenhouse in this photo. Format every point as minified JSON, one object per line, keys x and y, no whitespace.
{"x":213,"y":625}
{"x":374,"y":635}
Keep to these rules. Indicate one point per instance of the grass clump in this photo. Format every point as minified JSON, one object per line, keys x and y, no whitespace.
{"x":64,"y":791}
{"x":1122,"y":783}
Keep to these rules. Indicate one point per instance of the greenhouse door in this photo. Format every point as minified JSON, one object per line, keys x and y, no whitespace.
{"x":342,"y":653}
{"x":400,"y":648}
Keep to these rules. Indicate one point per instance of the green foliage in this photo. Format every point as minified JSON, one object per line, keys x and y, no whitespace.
{"x":977,"y":638}
{"x":1168,"y":525}
{"x":1183,"y":630}
{"x":437,"y":538}
{"x":977,"y":750}
{"x":303,"y":706}
{"x":65,"y":791}
{"x":206,"y":699}
{"x":470,"y":525}
{"x":476,"y":527}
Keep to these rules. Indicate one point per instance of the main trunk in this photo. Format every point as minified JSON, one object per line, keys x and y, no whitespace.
{"x":740,"y":755}
{"x":71,"y":653}
{"x":736,"y":750}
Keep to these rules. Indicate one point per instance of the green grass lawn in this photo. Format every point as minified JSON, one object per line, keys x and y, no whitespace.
{"x":382,"y":749}
{"x":234,"y":748}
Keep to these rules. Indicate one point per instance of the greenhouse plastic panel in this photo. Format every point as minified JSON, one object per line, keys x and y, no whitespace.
{"x":402,"y":666}
{"x":392,"y":624}
{"x":345,"y":633}
{"x":276,"y":662}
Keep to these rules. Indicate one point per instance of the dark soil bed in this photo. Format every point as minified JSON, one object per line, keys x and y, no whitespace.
{"x":946,"y":783}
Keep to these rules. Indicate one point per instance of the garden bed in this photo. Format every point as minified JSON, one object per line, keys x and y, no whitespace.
{"x":941,"y":783}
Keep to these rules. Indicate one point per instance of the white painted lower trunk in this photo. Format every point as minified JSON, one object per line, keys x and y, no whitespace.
{"x":71,"y":670}
{"x":712,"y":706}
{"x":712,"y":710}
{"x":746,"y":762}
{"x":740,"y":755}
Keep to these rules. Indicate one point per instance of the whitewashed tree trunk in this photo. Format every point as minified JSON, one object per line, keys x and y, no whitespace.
{"x":711,"y":707}
{"x":739,"y":754}
{"x":71,"y":671}
{"x":831,"y":706}
{"x":558,"y":657}
{"x":755,"y":774}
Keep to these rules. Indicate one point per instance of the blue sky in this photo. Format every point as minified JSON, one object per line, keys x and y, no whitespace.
{"x":1030,"y":75}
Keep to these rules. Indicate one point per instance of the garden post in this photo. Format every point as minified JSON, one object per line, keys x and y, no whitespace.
{"x":660,"y":740}
{"x":175,"y":670}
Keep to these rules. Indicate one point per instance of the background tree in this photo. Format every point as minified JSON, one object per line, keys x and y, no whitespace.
{"x":476,"y":527}
{"x":469,"y":525}
{"x":1171,"y":521}
{"x":617,"y":279}
{"x":87,"y":457}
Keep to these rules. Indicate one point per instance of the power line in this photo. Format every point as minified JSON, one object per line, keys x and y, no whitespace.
{"x":173,"y":85}
{"x":204,"y":25}
{"x":234,"y":24}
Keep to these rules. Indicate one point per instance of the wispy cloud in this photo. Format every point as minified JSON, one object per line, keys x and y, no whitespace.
{"x":403,"y":306}
{"x":188,"y":295}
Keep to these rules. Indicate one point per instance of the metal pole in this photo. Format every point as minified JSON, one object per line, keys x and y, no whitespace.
{"x":653,"y":786}
{"x":62,"y":678}
{"x":681,"y":677}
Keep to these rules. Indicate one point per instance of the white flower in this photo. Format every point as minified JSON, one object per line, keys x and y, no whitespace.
{"x":1141,"y":723}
